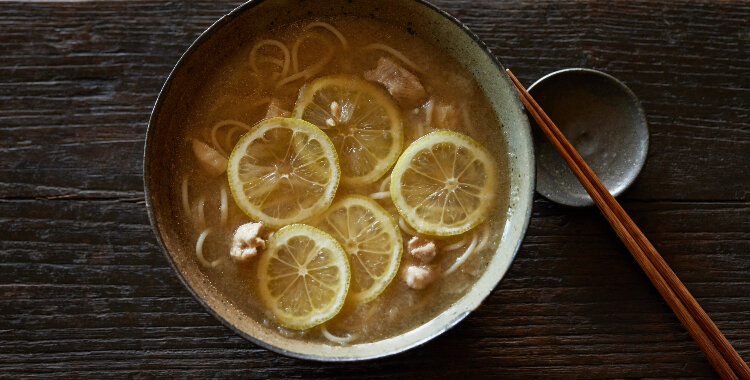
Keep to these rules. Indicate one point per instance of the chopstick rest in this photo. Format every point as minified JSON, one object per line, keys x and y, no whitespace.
{"x":719,"y":352}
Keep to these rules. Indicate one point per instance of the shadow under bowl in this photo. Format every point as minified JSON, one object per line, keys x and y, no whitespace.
{"x":165,"y":138}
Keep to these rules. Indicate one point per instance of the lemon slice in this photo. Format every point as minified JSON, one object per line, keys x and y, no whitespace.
{"x":444,"y":183}
{"x":283,"y":171}
{"x":361,"y":119}
{"x":303,"y":276}
{"x":372,"y":239}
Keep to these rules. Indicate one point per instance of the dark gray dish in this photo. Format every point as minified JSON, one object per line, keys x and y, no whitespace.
{"x":604,"y":121}
{"x":165,"y":137}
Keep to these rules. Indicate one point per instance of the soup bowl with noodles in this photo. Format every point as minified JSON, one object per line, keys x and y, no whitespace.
{"x":339,"y":180}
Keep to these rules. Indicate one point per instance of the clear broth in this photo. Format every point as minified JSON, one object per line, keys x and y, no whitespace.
{"x":233,"y":92}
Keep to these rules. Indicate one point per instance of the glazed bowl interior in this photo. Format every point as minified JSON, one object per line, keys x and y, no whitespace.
{"x":237,"y":28}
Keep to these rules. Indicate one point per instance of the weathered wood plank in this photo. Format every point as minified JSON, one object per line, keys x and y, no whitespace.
{"x":85,"y":292}
{"x":564,"y":307}
{"x":103,"y":72}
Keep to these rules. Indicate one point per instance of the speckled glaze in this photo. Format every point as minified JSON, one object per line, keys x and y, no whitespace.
{"x":604,"y":121}
{"x":254,"y":17}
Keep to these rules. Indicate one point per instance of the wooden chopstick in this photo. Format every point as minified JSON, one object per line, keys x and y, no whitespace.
{"x":726,"y":361}
{"x":677,"y":286}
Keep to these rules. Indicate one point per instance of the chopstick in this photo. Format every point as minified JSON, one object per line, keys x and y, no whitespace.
{"x":719,"y":352}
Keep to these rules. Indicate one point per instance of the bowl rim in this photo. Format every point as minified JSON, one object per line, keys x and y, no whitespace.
{"x":148,"y":195}
{"x":640,"y":113}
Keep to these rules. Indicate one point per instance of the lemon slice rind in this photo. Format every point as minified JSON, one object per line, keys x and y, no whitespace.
{"x":368,"y":242}
{"x":296,"y":126}
{"x":375,"y":94}
{"x":270,"y":262}
{"x":484,"y":198}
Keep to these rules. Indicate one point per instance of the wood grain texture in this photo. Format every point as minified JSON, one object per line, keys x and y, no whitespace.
{"x":85,"y":291}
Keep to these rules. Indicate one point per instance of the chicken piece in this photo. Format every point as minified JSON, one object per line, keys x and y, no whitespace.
{"x":336,"y":109}
{"x":213,"y":162}
{"x":400,"y":83}
{"x":423,"y":249}
{"x":247,"y":242}
{"x":433,"y":115}
{"x":419,"y":276}
{"x":276,"y":109}
{"x":335,"y":114}
{"x":444,"y":115}
{"x":461,"y":85}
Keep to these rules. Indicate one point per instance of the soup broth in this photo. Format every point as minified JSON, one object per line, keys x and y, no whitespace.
{"x":264,"y":77}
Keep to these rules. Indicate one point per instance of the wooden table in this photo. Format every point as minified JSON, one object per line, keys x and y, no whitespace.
{"x":85,"y":290}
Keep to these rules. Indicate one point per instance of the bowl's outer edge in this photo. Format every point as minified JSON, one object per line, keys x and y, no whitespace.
{"x":205,"y":35}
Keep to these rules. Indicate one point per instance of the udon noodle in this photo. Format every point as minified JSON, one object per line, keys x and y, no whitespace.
{"x":262,"y":80}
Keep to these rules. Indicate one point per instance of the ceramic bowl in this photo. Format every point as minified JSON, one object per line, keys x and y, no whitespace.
{"x":254,"y":17}
{"x":604,"y":121}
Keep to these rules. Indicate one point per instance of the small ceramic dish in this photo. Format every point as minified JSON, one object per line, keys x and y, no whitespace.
{"x":255,"y":17}
{"x":604,"y":121}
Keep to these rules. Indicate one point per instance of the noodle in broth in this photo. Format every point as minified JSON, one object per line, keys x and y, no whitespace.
{"x":263,"y":79}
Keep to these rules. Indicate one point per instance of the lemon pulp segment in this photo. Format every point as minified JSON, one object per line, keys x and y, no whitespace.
{"x":303,"y":276}
{"x":444,"y":183}
{"x":372,"y":241}
{"x":283,"y":171}
{"x":361,"y":119}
